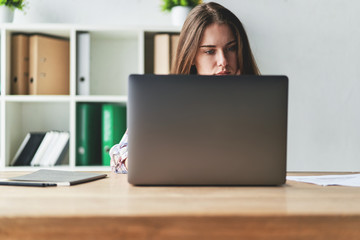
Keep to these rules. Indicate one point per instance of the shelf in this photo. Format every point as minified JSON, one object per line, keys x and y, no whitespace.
{"x":116,"y":51}
{"x":36,"y":98}
{"x":120,"y":99}
{"x":50,"y":29}
{"x":52,"y":98}
{"x":24,"y":117}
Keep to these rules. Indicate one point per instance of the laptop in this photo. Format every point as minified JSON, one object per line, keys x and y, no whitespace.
{"x":207,"y":130}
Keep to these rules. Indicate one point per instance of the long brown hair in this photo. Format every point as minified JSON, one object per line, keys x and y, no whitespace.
{"x":198,"y":19}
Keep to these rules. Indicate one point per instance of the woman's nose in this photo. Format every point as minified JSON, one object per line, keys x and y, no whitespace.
{"x":222,"y":59}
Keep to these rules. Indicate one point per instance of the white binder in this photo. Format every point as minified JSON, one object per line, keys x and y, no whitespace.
{"x":83,"y":63}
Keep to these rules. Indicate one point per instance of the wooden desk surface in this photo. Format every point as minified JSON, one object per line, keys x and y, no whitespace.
{"x":112,"y":209}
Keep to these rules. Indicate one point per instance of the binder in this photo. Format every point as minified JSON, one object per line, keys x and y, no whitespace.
{"x":49,"y":65}
{"x":52,"y":149}
{"x":63,"y":154}
{"x":88,"y":134}
{"x":44,"y":146}
{"x":19,"y":64}
{"x":57,"y":150}
{"x":113,"y":128}
{"x":174,"y":44}
{"x":62,"y":150}
{"x":83,"y":64}
{"x":28,"y":149}
{"x":165,"y":46}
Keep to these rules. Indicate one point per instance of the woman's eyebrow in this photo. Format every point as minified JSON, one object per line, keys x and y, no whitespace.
{"x":212,"y":46}
{"x":231,"y":42}
{"x":209,"y":46}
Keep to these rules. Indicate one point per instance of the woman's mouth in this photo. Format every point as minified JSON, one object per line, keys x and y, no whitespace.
{"x":223,"y":73}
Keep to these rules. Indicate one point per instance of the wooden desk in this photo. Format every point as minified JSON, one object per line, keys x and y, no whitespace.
{"x":113,"y":209}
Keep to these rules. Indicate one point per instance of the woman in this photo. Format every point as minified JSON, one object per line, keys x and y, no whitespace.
{"x":208,"y":24}
{"x":212,"y":42}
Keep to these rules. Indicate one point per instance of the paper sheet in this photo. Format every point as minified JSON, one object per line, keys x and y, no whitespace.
{"x":351,"y":180}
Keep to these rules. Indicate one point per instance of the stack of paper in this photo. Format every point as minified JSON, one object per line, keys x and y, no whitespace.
{"x":351,"y":180}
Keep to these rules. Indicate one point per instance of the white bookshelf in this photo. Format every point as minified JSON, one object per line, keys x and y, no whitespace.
{"x":116,"y":51}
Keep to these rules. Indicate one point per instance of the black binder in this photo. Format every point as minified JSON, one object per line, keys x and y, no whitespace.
{"x":28,"y":149}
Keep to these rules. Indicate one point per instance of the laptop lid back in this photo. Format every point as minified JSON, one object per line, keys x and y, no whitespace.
{"x":207,"y":130}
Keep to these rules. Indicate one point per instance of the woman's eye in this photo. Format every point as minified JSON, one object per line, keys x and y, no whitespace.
{"x":210,"y":51}
{"x":232,"y":48}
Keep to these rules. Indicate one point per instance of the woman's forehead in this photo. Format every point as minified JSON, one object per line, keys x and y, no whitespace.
{"x":217,"y":34}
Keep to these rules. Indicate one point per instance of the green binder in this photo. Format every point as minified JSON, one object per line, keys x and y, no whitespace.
{"x":113,"y":128}
{"x":88,"y":134}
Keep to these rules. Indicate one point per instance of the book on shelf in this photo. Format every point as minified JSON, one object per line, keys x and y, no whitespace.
{"x":113,"y":128}
{"x":42,"y":149}
{"x":52,"y":178}
{"x":19,"y":64}
{"x":60,"y":150}
{"x":88,"y":134}
{"x":83,"y":63}
{"x":52,"y":150}
{"x":28,"y":148}
{"x":49,"y":65}
{"x":165,"y":46}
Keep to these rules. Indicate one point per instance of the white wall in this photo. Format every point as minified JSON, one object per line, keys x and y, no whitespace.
{"x":132,"y":12}
{"x":314,"y":42}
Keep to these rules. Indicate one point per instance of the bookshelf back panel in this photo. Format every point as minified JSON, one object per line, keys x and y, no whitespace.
{"x":6,"y":64}
{"x":14,"y":134}
{"x":111,"y":62}
{"x":114,"y":34}
{"x":1,"y":64}
{"x":25,"y":117}
{"x":2,"y":164}
{"x":149,"y":52}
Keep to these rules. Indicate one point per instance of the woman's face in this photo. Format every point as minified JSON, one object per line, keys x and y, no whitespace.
{"x":217,"y":53}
